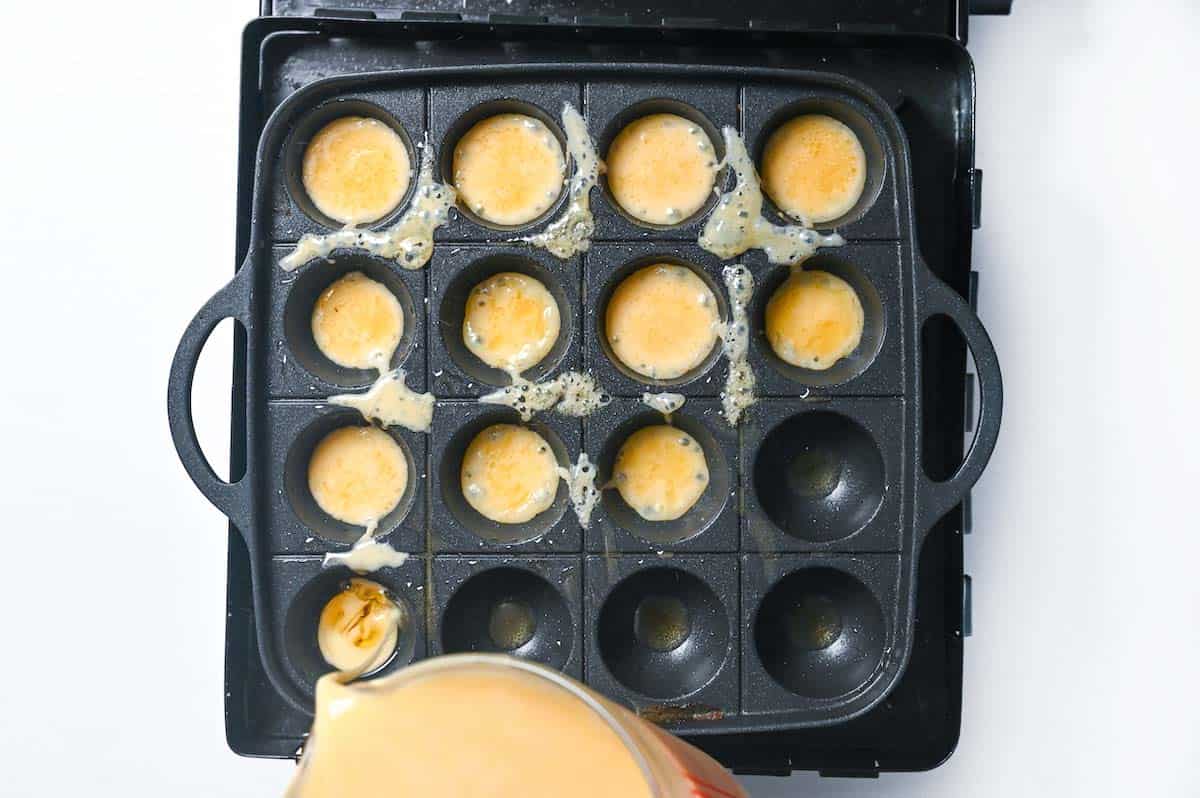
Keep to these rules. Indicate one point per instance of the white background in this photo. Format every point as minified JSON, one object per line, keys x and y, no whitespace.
{"x":117,"y":172}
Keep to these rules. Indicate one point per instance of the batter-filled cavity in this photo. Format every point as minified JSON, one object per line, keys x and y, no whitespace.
{"x":511,"y":322}
{"x":508,"y":169}
{"x":660,"y":472}
{"x":509,"y":474}
{"x":661,"y":168}
{"x":359,"y":627}
{"x":662,"y":321}
{"x":814,"y":319}
{"x":357,"y":322}
{"x":356,"y":170}
{"x":358,"y":475}
{"x":814,"y":168}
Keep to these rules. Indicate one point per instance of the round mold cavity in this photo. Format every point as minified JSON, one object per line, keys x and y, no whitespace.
{"x":868,"y":135}
{"x":819,"y":476}
{"x":662,"y":105}
{"x":304,"y":613}
{"x":483,"y":111}
{"x":820,"y":633}
{"x":512,"y":611}
{"x":454,"y":304}
{"x":703,"y":512}
{"x":663,"y":633}
{"x":616,"y":277}
{"x":302,"y":298}
{"x":295,"y":480}
{"x":309,"y":125}
{"x":874,"y":323}
{"x":487,"y":530}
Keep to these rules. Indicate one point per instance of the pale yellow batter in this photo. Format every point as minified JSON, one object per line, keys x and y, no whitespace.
{"x":359,"y":627}
{"x":660,"y":472}
{"x":511,"y":322}
{"x":357,"y":322}
{"x":509,"y":169}
{"x":465,"y":732}
{"x":814,"y":319}
{"x":662,"y":321}
{"x":814,"y":168}
{"x":509,"y":474}
{"x":358,"y":474}
{"x":661,"y":168}
{"x":356,"y":170}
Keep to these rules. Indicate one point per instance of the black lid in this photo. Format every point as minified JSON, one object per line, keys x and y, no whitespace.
{"x":947,"y":17}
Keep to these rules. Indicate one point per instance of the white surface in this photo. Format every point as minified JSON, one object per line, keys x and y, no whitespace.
{"x":1080,"y":679}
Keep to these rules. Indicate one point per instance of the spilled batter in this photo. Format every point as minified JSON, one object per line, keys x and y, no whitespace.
{"x":737,"y":223}
{"x":391,"y":402}
{"x":571,"y":233}
{"x":735,"y":344}
{"x":409,"y":241}
{"x":572,"y":393}
{"x":661,"y":168}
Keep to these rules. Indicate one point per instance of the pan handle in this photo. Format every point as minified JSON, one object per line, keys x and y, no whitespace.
{"x":935,"y":499}
{"x":231,"y":302}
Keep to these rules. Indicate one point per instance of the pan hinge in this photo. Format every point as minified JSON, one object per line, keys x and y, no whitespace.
{"x":966,"y":606}
{"x":848,"y":773}
{"x":975,"y":187}
{"x":516,"y":19}
{"x":344,"y":13}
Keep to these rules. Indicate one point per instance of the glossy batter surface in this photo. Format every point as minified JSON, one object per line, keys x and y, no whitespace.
{"x":508,"y":169}
{"x":662,"y":321}
{"x":511,"y":322}
{"x":509,"y":474}
{"x":357,"y":322}
{"x":660,"y":472}
{"x":814,"y":168}
{"x":661,"y":168}
{"x":356,"y":170}
{"x":358,"y":628}
{"x":462,"y":733}
{"x":358,"y":474}
{"x":814,"y":319}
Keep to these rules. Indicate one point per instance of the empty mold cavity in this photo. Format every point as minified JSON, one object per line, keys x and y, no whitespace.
{"x":874,"y":323}
{"x":868,"y":136}
{"x":663,"y":633}
{"x":483,"y":111}
{"x":820,"y":633}
{"x":606,"y":293}
{"x":453,"y":308}
{"x":295,"y":480}
{"x":702,"y":514}
{"x":304,"y":614}
{"x":309,"y":125}
{"x":450,"y":476}
{"x":819,"y":476}
{"x":303,"y":296}
{"x":661,"y":106}
{"x":509,"y":610}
